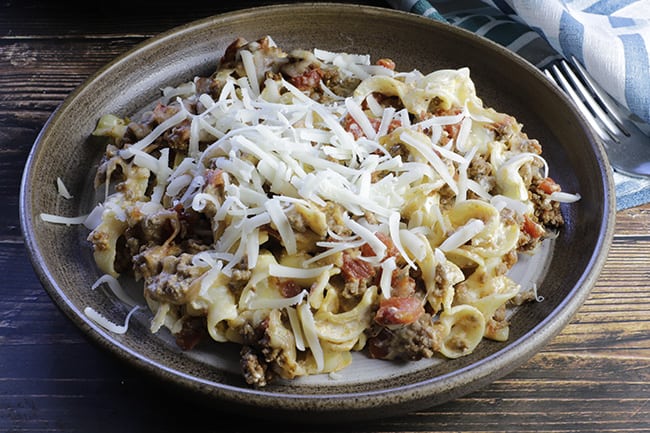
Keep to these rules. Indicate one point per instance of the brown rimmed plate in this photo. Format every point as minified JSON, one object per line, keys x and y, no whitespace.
{"x":564,"y":272}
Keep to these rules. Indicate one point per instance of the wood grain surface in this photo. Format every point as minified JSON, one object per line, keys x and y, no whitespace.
{"x":593,"y":377}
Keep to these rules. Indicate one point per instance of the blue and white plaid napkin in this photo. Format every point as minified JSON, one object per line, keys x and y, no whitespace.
{"x":610,"y":37}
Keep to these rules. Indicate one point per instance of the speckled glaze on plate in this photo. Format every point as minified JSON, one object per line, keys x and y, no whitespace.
{"x":565,"y":271}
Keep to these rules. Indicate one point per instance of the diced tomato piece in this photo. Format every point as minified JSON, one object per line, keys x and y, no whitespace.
{"x":191,"y":333}
{"x":356,"y":269}
{"x":310,"y":79}
{"x":549,"y":186}
{"x":386,"y":63}
{"x":351,"y":125}
{"x":402,"y":284}
{"x":451,"y":130}
{"x":289,"y":288}
{"x":391,"y":249}
{"x":393,"y":125}
{"x":399,"y":311}
{"x":534,"y":229}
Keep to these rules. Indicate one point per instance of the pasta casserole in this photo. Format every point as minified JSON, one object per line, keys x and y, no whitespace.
{"x":309,"y":204}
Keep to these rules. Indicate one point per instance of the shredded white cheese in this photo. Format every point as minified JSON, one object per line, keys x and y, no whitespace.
{"x":564,"y":197}
{"x":265,"y":163}
{"x":115,"y":287}
{"x":296,"y":273}
{"x":281,"y":223}
{"x":58,"y":219}
{"x":107,"y":324}
{"x":157,"y":132}
{"x":385,"y":282}
{"x":462,"y":235}
{"x":311,"y":334}
{"x":375,"y":243}
{"x":63,"y":190}
{"x":394,"y":227}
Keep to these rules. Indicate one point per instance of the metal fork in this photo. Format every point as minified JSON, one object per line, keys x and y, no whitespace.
{"x":626,"y":141}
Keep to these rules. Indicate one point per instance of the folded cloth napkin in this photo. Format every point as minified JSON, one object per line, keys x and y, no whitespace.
{"x":610,"y":37}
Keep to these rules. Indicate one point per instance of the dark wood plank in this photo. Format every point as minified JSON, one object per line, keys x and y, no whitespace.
{"x":36,"y":77}
{"x":142,"y":18}
{"x":633,"y":222}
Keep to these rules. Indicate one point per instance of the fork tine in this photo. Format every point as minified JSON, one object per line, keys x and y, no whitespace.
{"x":559,"y":80}
{"x":628,"y":152}
{"x":600,"y":95}
{"x":589,"y":99}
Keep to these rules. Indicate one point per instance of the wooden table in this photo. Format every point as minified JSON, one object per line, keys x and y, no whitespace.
{"x":595,"y":376}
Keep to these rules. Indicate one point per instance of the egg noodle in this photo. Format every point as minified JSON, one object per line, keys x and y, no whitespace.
{"x":309,"y":204}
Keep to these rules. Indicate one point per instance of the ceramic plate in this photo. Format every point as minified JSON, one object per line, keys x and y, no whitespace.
{"x":564,"y":272}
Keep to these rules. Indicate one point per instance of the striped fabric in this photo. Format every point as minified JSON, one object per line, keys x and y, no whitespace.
{"x":610,"y":37}
{"x":488,"y":21}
